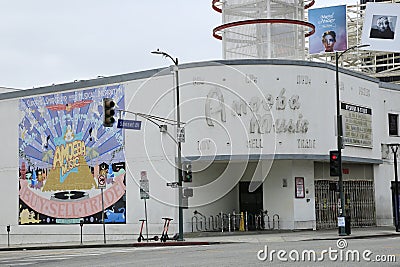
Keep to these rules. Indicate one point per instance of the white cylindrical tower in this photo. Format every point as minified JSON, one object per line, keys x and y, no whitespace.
{"x":263,"y":28}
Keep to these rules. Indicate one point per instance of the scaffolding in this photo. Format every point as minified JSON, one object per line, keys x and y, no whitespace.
{"x":262,"y":28}
{"x":269,"y":29}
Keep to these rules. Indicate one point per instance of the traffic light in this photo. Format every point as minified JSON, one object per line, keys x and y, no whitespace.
{"x":108,"y":112}
{"x":187,"y":172}
{"x":334,"y":163}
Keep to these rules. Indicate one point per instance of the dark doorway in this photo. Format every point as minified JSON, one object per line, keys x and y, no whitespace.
{"x":250,"y":202}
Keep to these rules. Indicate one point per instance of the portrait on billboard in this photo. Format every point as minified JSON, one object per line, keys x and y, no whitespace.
{"x":380,"y":28}
{"x":330,"y":29}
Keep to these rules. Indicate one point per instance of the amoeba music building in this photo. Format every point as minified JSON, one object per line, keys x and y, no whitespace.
{"x":257,"y":133}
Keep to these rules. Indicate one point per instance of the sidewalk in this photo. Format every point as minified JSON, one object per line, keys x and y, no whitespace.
{"x":293,"y":235}
{"x":210,"y":238}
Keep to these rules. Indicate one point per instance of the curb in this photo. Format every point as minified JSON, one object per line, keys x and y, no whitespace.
{"x":182,"y":243}
{"x":159,"y":244}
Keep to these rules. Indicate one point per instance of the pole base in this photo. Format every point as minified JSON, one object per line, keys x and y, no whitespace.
{"x":342,"y":231}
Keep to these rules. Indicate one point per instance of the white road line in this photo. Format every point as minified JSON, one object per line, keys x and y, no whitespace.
{"x":49,"y":256}
{"x":90,"y":254}
{"x":11,"y":258}
{"x":123,"y":250}
{"x":35,"y":259}
{"x":22,"y":264}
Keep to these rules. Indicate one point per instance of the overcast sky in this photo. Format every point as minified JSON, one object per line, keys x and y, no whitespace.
{"x":55,"y":41}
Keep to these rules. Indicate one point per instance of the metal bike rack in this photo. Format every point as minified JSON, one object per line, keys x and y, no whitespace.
{"x":195,"y":221}
{"x":225,"y":222}
{"x":246,"y":226}
{"x":222,"y":222}
{"x":276,"y":216}
{"x":229,"y":222}
{"x":267,"y":220}
{"x":213,"y":224}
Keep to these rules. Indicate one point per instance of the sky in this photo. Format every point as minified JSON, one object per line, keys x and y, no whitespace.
{"x":46,"y":42}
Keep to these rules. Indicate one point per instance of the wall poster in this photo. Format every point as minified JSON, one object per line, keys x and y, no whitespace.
{"x":357,"y":125}
{"x":299,"y":187}
{"x":63,"y":149}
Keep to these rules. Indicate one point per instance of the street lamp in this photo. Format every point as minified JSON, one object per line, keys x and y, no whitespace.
{"x":178,"y":125}
{"x":395,"y":148}
{"x":342,"y":208}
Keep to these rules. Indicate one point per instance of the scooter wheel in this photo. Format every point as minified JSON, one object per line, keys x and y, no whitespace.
{"x":155,"y":238}
{"x":139,"y":239}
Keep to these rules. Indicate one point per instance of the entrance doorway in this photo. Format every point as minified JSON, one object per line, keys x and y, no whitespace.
{"x":252,"y":202}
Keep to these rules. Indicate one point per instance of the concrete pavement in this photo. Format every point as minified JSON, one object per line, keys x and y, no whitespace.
{"x":296,"y":235}
{"x":209,"y":238}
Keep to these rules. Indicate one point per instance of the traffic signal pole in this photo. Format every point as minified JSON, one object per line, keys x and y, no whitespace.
{"x":395,"y":148}
{"x":342,"y":208}
{"x":180,"y":178}
{"x":178,"y":126}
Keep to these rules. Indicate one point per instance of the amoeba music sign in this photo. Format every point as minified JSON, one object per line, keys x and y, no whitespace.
{"x":357,"y":122}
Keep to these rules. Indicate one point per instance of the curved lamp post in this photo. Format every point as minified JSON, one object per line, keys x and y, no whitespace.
{"x":179,"y":163}
{"x":395,"y":148}
{"x":342,"y":208}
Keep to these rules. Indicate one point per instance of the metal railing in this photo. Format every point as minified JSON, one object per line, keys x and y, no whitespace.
{"x":231,"y":222}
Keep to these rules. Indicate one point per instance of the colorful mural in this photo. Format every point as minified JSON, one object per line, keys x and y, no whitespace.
{"x":63,"y":149}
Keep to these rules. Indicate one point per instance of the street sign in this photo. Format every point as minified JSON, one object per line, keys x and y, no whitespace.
{"x":180,"y":135}
{"x":187,"y":192}
{"x":341,"y":222}
{"x":173,"y":184}
{"x":129,"y":124}
{"x":144,"y":194}
{"x":101,"y":179}
{"x":144,"y":185}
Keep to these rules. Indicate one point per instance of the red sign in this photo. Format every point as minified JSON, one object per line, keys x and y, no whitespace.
{"x":299,"y":187}
{"x":101,"y":181}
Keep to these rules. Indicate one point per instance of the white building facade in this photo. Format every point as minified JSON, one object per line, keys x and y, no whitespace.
{"x":257,"y":134}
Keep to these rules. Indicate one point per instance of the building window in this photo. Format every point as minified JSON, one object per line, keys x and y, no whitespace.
{"x":393,"y":124}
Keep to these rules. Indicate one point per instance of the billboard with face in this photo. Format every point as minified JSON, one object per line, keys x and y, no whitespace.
{"x":380,"y":28}
{"x":330,"y":29}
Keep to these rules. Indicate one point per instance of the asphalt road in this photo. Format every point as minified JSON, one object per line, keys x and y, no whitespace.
{"x":300,"y":253}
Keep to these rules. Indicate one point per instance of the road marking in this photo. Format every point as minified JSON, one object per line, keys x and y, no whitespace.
{"x":36,"y":259}
{"x":22,"y":264}
{"x":49,"y":256}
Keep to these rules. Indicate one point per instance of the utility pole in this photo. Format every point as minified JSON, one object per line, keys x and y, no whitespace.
{"x":178,"y":125}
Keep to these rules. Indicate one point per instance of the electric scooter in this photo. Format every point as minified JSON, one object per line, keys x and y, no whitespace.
{"x":141,"y":237}
{"x":164,"y":236}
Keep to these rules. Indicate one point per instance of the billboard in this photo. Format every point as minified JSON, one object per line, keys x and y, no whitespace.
{"x":330,"y":29}
{"x":64,"y":151}
{"x":381,"y":27}
{"x":357,"y":121}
